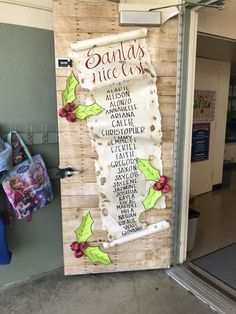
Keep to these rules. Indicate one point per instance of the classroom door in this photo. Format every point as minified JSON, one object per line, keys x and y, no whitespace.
{"x":75,"y":21}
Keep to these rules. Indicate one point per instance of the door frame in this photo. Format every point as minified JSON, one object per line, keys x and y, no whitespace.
{"x":184,"y":135}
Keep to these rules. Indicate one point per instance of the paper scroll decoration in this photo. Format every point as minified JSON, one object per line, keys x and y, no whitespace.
{"x":118,"y":73}
{"x":80,"y":247}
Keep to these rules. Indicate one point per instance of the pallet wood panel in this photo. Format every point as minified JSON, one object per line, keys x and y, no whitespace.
{"x":76,"y":20}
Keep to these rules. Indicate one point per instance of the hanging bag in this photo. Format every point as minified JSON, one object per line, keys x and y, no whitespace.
{"x":5,"y":158}
{"x":27,"y":185}
{"x":5,"y":255}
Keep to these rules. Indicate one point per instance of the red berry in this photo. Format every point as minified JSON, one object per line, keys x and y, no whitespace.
{"x":83,"y":246}
{"x":75,"y":246}
{"x":163,"y":180}
{"x":166,"y":188}
{"x":78,"y":254}
{"x":157,"y":186}
{"x":62,"y":112}
{"x":71,"y":117}
{"x":70,"y":106}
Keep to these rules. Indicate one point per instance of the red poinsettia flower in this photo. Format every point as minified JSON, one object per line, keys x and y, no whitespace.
{"x":67,"y":112}
{"x":162,"y":185}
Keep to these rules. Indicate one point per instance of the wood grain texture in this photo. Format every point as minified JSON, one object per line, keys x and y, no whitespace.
{"x":76,"y":20}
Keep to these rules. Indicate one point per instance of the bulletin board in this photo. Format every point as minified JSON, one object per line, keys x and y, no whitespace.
{"x":204,"y":105}
{"x":74,"y":21}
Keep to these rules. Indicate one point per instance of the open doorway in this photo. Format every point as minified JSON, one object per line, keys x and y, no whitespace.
{"x":212,"y":249}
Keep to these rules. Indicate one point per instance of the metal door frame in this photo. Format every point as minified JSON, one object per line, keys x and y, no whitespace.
{"x":184,"y":114}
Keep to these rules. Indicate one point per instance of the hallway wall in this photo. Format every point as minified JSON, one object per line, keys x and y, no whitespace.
{"x":27,"y":98}
{"x":31,"y":13}
{"x":212,"y":75}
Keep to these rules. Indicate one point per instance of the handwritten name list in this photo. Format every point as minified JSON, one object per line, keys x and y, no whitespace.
{"x":122,"y":112}
{"x":127,"y":129}
{"x":122,"y":80}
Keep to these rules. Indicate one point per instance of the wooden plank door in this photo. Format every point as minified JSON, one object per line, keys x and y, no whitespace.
{"x":76,"y":20}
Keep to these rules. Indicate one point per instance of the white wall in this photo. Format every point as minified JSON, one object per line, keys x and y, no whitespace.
{"x":219,"y":23}
{"x":212,"y":75}
{"x":31,"y":13}
{"x":38,"y":13}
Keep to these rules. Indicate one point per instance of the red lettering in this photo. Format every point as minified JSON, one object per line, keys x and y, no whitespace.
{"x":114,"y":72}
{"x":105,"y":58}
{"x":140,"y":53}
{"x":140,"y":68}
{"x":109,"y":74}
{"x":93,"y":60}
{"x":131,"y":53}
{"x":123,"y":68}
{"x":132,"y":70}
{"x":104,"y":75}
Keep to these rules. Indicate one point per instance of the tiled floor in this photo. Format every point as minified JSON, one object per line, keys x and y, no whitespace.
{"x":217,"y":221}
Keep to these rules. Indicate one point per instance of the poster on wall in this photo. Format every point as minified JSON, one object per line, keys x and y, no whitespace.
{"x":125,"y":129}
{"x":200,"y":142}
{"x":204,"y":105}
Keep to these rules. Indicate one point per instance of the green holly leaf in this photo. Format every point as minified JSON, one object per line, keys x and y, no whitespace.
{"x":97,"y":256}
{"x":150,"y":173}
{"x":83,"y":112}
{"x":68,"y":94}
{"x":85,"y":229}
{"x":151,"y":199}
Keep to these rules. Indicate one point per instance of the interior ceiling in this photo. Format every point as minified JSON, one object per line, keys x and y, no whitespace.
{"x":217,"y":49}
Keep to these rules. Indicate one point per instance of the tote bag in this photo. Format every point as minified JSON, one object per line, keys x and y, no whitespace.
{"x":27,"y":185}
{"x":5,"y":158}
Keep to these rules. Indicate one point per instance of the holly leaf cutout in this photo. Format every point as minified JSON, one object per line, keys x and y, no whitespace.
{"x":68,"y":95}
{"x":83,"y":112}
{"x":85,"y":229}
{"x":97,"y":256}
{"x":150,"y":173}
{"x":151,"y":199}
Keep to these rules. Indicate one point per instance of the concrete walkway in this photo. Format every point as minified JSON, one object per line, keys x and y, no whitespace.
{"x":146,"y":292}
